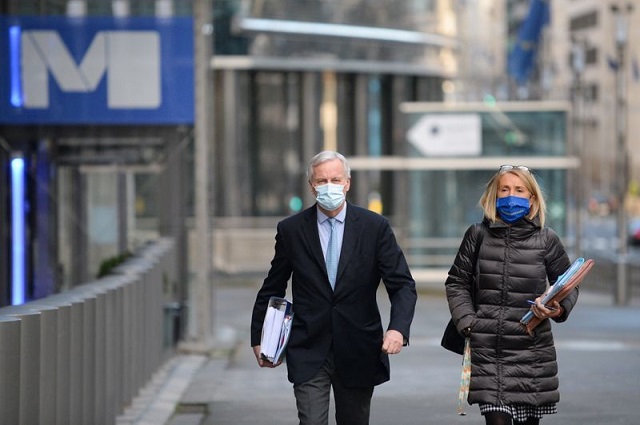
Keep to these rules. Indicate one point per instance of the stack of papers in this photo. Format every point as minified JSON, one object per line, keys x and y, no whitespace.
{"x":276,"y":329}
{"x":556,"y":288}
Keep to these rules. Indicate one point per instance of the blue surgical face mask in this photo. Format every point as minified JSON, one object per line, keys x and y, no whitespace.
{"x":330,"y":196}
{"x":512,"y":208}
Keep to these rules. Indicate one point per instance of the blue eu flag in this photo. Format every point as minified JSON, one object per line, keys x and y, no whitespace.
{"x":522,"y":56}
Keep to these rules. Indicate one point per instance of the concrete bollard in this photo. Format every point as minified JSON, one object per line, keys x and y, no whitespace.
{"x":68,"y":377}
{"x":142,"y":362}
{"x":108,"y":344}
{"x":81,"y":356}
{"x":88,"y":349}
{"x":94,"y":407}
{"x":48,"y":360}
{"x":29,"y":389}
{"x":10,"y":365}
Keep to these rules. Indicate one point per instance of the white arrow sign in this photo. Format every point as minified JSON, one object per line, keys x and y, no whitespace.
{"x":447,"y":135}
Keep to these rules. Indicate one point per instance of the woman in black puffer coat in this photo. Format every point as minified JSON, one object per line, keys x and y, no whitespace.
{"x":513,"y":374}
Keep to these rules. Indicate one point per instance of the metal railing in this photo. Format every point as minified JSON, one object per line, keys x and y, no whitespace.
{"x":81,"y":356}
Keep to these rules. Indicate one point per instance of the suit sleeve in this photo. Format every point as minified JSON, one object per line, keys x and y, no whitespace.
{"x":398,"y":281}
{"x":275,"y":284}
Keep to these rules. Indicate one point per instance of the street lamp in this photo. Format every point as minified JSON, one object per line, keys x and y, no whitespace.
{"x":578,"y":62}
{"x":621,"y":17}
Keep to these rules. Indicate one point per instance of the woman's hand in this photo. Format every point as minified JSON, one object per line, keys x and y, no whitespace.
{"x":545,"y":312}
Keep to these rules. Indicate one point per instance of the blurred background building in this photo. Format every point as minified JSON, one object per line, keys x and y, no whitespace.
{"x":551,"y":84}
{"x":148,"y":149}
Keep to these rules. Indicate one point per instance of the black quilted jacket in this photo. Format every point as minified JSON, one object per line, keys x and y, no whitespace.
{"x":508,"y":366}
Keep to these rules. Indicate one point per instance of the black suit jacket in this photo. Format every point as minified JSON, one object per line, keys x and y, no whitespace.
{"x":346,"y":320}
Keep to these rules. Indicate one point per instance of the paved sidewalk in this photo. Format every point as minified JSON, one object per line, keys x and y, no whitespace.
{"x":157,"y":401}
{"x":598,"y":350}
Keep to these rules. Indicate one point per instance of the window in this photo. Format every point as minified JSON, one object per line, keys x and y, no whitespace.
{"x":588,"y":20}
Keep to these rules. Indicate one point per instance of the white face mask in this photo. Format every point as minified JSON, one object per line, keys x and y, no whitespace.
{"x":330,"y":196}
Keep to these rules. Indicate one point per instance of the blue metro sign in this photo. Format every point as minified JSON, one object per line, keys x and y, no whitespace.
{"x":96,"y":70}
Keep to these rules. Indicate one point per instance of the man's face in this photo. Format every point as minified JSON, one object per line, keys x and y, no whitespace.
{"x":331,"y":171}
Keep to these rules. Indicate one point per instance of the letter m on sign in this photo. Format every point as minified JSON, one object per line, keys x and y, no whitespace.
{"x":131,"y":60}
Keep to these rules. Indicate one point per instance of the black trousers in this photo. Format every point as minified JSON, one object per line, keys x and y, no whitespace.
{"x":353,"y":405}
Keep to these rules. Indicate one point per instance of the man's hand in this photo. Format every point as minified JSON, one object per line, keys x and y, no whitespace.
{"x":262,"y":362}
{"x":393,"y":341}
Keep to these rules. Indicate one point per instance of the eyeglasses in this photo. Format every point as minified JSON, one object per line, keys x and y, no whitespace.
{"x":505,"y":168}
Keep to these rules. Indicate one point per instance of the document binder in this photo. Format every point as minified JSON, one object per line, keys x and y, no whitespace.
{"x":276,"y":329}
{"x":564,"y":285}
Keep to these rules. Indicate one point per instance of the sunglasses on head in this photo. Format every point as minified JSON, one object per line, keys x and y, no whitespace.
{"x":505,"y":168}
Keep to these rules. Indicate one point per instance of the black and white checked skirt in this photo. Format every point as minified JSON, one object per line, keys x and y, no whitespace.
{"x":520,"y":412}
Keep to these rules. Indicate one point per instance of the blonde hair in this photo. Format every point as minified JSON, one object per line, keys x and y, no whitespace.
{"x":538,"y":205}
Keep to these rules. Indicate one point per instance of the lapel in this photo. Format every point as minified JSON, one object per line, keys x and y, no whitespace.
{"x":312,"y":238}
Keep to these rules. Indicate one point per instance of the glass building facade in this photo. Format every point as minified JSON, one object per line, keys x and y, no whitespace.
{"x":289,"y":78}
{"x":445,"y":189}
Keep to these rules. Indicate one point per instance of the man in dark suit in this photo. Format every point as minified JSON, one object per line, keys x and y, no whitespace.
{"x":337,"y":339}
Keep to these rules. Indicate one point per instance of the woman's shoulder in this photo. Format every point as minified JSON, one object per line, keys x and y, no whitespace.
{"x":474,"y":229}
{"x":474,"y":232}
{"x":548,"y":232}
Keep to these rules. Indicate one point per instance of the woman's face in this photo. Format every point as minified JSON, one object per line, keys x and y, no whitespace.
{"x":512,"y":185}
